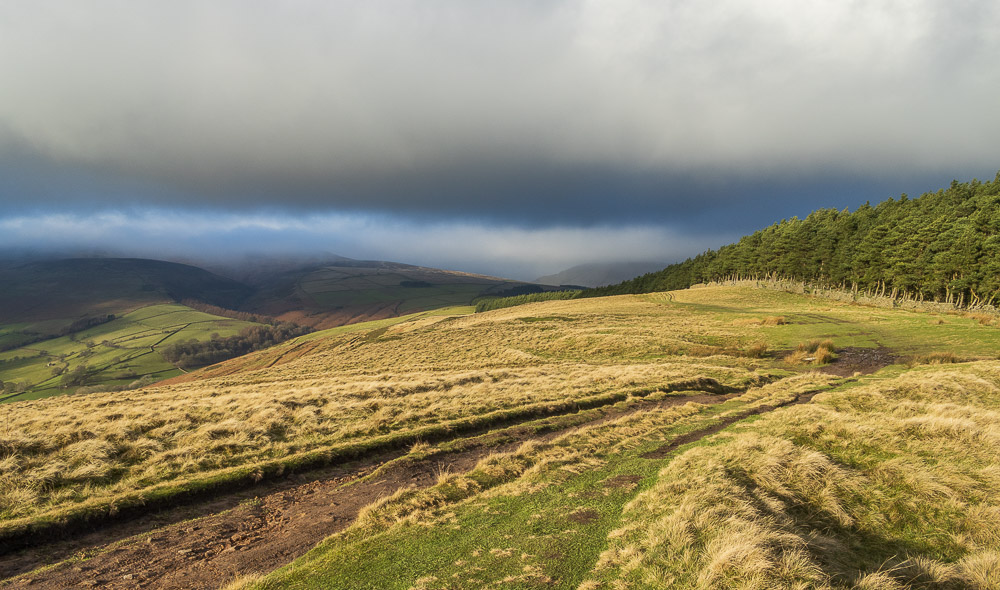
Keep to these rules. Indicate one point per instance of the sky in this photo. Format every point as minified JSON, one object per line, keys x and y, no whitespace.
{"x":516,"y":138}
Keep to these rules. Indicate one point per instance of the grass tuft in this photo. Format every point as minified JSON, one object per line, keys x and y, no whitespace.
{"x":935,"y":358}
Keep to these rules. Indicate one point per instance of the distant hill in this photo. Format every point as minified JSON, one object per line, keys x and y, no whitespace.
{"x":78,"y":287}
{"x":599,"y":274}
{"x":117,"y":322}
{"x":943,"y":246}
{"x":343,"y":291}
{"x":319,"y":293}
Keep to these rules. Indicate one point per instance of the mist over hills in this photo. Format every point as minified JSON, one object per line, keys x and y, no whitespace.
{"x":47,"y":289}
{"x":321,"y":291}
{"x":599,"y":274}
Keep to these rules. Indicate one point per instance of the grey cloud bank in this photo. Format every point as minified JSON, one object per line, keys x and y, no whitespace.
{"x":516,"y":252}
{"x":717,"y":116}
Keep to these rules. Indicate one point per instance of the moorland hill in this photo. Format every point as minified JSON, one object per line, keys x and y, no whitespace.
{"x":711,"y":437}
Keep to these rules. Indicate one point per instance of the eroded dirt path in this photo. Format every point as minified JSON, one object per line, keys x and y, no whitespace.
{"x":851,"y":360}
{"x":207,"y":545}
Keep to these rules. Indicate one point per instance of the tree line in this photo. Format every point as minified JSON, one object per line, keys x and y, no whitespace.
{"x":192,"y":353}
{"x":243,"y":316}
{"x":942,"y":246}
{"x":491,"y":303}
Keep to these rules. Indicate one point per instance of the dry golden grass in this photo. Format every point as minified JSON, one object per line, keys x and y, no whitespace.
{"x":532,"y":466}
{"x":757,"y":510}
{"x":90,"y":448}
{"x":774,"y":320}
{"x":744,"y":527}
{"x":241,"y":582}
{"x":935,"y":358}
{"x":757,"y":350}
{"x":984,"y":319}
{"x":816,"y":352}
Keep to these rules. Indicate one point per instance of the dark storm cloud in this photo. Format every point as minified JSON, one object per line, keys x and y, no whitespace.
{"x":541,"y":111}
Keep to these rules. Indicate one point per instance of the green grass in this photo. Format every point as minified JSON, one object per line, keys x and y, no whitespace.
{"x":542,"y":522}
{"x":906,"y":332}
{"x":118,"y":352}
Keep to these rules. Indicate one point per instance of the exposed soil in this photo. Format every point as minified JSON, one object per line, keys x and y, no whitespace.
{"x":626,"y":482}
{"x":583,"y":516}
{"x":851,"y":360}
{"x":206,"y":545}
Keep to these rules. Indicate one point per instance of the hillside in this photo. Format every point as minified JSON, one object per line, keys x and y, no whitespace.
{"x":599,"y":274}
{"x":343,"y":291}
{"x":103,"y":322}
{"x":66,"y":324}
{"x":47,"y":292}
{"x":125,"y":350}
{"x":715,"y":437}
{"x":942,"y":246}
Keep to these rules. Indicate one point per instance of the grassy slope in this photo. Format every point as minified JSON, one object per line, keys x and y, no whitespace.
{"x":872,"y":485}
{"x":890,"y":484}
{"x":544,"y":514}
{"x":118,"y":351}
{"x":51,"y":294}
{"x":303,"y":345}
{"x":887,"y":485}
{"x":337,"y":294}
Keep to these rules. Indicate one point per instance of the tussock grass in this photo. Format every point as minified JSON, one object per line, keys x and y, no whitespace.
{"x":757,"y":350}
{"x":241,"y":582}
{"x":817,"y":352}
{"x":773,"y":320}
{"x":935,"y":358}
{"x":984,"y":319}
{"x":832,"y":495}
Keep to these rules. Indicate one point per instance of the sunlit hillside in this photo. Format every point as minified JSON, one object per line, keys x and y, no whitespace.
{"x":713,"y":437}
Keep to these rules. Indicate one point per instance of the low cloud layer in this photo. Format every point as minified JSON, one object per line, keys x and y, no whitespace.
{"x":475,"y":108}
{"x":533,"y":133}
{"x":508,"y":251}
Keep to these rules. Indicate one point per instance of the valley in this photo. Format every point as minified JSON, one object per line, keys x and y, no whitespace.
{"x":106,"y":323}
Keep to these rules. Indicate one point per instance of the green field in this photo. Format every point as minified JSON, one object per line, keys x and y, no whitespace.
{"x":116,"y":353}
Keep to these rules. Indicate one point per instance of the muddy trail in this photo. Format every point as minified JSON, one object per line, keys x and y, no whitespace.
{"x":851,"y":360}
{"x":258,"y":530}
